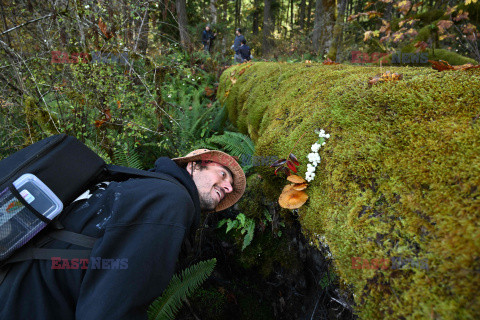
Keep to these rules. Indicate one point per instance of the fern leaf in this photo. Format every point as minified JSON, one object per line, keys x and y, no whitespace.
{"x":127,"y":157}
{"x":180,"y":287}
{"x":237,"y":144}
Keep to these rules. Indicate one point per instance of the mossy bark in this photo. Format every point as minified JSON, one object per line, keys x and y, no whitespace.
{"x":399,"y":177}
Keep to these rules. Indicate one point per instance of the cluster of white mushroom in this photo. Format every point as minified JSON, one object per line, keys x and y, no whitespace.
{"x":314,"y":157}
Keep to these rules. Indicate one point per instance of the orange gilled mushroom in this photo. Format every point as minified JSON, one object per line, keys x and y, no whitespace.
{"x":300,"y":186}
{"x":296,"y":179}
{"x":291,"y":198}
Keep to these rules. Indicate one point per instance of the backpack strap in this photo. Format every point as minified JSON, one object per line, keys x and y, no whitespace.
{"x":120,"y":170}
{"x":36,"y":253}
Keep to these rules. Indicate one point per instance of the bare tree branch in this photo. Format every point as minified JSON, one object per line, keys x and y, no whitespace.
{"x":25,"y":23}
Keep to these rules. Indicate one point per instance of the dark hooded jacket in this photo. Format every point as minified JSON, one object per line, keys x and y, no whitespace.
{"x":141,"y":224}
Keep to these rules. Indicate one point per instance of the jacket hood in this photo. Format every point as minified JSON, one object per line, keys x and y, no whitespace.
{"x":167,"y":166}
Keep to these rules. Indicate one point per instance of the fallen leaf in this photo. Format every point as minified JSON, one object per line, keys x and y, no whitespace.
{"x":384,"y":77}
{"x":233,"y":80}
{"x":328,"y":61}
{"x":440,"y":65}
{"x":241,"y":71}
{"x":465,"y":67}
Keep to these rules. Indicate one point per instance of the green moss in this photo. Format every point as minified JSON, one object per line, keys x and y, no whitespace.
{"x":251,"y":202}
{"x":451,"y":57}
{"x":400,"y":175}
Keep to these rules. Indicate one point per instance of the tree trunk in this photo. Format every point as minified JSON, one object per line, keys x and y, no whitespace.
{"x":337,"y":30}
{"x":256,"y":17}
{"x":238,"y":9}
{"x":291,"y":16}
{"x":213,"y":11}
{"x":301,"y":14}
{"x":322,"y":28}
{"x":267,"y":27}
{"x":182,"y":23}
{"x":317,"y":25}
{"x":309,"y":14}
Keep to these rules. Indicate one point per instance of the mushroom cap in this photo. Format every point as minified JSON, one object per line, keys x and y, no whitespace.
{"x":291,"y":198}
{"x":296,"y":179}
{"x":300,"y":186}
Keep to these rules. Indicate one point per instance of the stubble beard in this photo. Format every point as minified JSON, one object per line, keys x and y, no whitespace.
{"x":207,"y":203}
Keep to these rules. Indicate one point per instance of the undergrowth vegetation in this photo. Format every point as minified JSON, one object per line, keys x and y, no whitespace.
{"x":398,"y":178}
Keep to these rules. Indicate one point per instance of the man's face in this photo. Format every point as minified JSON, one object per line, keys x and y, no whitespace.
{"x":207,"y":28}
{"x":237,"y":33}
{"x":213,"y":183}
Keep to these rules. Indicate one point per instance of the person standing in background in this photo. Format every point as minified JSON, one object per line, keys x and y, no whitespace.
{"x":207,"y":38}
{"x":244,"y":51}
{"x":236,"y":45}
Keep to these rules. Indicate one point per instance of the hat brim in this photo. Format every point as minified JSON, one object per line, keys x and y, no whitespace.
{"x":239,"y":180}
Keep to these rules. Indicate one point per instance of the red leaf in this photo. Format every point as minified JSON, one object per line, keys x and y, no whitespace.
{"x":282,"y":169}
{"x":294,"y":159}
{"x":291,"y":166}
{"x":278,"y":163}
{"x":108,"y":115}
{"x":99,"y":123}
{"x":440,"y":65}
{"x":328,"y":61}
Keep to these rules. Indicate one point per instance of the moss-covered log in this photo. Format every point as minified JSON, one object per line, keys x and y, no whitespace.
{"x":399,"y":177}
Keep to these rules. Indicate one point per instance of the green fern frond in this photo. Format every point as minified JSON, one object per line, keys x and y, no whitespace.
{"x":100,"y":152}
{"x":218,"y":123}
{"x":180,"y":287}
{"x":235,"y":143}
{"x":127,"y":157}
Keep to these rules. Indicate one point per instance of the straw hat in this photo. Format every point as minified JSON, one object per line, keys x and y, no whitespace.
{"x":239,"y":180}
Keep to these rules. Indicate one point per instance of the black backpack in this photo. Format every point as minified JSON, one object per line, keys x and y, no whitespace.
{"x":51,"y":173}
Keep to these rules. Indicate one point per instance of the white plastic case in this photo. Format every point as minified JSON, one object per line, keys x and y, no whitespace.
{"x":17,"y":223}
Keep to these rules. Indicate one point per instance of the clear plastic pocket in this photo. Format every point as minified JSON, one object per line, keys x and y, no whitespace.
{"x":18,"y":224}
